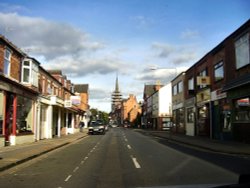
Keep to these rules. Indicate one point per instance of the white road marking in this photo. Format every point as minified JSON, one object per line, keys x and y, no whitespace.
{"x":76,"y":169}
{"x":137,"y":165}
{"x":67,"y":179}
{"x":126,"y":139}
{"x":82,"y":162}
{"x":85,"y":158}
{"x":129,"y":147}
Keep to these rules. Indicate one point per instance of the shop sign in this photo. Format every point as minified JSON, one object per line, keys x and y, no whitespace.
{"x":218,"y":94}
{"x":67,"y":104}
{"x":243,"y":102}
{"x":203,"y":96}
{"x":203,"y":80}
{"x":75,"y":100}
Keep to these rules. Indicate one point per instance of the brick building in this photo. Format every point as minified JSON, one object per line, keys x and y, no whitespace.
{"x":17,"y":102}
{"x":216,"y":90}
{"x":130,"y":110}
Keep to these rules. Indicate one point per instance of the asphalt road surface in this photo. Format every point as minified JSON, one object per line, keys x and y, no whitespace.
{"x":120,"y":158}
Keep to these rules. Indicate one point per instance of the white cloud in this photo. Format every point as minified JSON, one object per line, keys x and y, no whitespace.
{"x":163,"y":50}
{"x":61,"y":45}
{"x":190,"y":34}
{"x":51,"y":39}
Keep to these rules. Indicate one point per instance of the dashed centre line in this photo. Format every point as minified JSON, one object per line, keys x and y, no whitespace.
{"x":129,"y":147}
{"x":137,"y":165}
{"x":67,"y":179}
{"x":76,"y":168}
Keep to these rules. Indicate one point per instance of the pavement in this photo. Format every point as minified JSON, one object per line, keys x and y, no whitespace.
{"x":13,"y":155}
{"x":220,"y":146}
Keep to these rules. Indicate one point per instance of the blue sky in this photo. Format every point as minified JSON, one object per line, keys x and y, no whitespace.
{"x":92,"y":40}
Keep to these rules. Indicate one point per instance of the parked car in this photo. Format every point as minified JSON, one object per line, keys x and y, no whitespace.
{"x":96,"y":127}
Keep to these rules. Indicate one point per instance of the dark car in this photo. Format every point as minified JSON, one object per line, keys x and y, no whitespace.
{"x":96,"y":127}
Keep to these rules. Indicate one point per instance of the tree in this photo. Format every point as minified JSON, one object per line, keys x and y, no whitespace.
{"x":101,"y":115}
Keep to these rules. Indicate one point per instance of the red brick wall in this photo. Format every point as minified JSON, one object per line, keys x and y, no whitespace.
{"x":15,"y":62}
{"x":15,"y":66}
{"x":1,"y":57}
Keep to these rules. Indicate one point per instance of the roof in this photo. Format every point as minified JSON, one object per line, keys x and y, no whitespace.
{"x":149,"y":90}
{"x":81,"y":88}
{"x":10,"y":44}
{"x":55,"y":72}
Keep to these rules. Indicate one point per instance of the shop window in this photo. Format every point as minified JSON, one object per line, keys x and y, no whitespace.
{"x":1,"y":113}
{"x":242,"y":51}
{"x":24,"y":115}
{"x":7,"y":57}
{"x":218,"y":71}
{"x":242,"y":110}
{"x":203,"y":112}
{"x":190,"y":115}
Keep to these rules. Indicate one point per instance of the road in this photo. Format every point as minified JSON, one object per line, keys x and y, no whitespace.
{"x":120,"y":158}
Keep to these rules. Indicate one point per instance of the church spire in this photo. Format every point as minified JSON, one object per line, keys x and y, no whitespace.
{"x":116,"y":96}
{"x":116,"y":84}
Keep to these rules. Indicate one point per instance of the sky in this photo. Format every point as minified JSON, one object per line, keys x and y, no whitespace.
{"x":141,"y":41}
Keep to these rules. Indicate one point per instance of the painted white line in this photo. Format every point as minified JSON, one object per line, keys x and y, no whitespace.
{"x":76,"y":169}
{"x":82,"y":162}
{"x":129,"y":147}
{"x":137,"y":165}
{"x":126,"y":139}
{"x":85,"y":158}
{"x":67,"y":179}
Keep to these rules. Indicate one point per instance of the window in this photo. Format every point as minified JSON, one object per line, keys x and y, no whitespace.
{"x":24,"y":115}
{"x":180,"y":87}
{"x":175,"y":90}
{"x":1,"y":112}
{"x":218,"y":71}
{"x":7,"y":57}
{"x":30,"y":72}
{"x":49,"y":90}
{"x":34,"y":75}
{"x":242,"y":51}
{"x":191,"y":84}
{"x":72,"y":88}
{"x":26,"y":71}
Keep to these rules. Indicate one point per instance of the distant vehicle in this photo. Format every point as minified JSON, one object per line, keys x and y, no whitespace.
{"x":114,"y":125}
{"x":96,"y":127}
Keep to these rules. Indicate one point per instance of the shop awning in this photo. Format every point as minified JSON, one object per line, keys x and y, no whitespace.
{"x":241,"y":81}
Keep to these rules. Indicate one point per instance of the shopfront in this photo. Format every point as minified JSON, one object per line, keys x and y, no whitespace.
{"x":239,"y":100}
{"x":241,"y":119}
{"x":179,"y":118}
{"x":203,"y":113}
{"x":190,"y":116}
{"x":17,"y":117}
{"x":221,"y":116}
